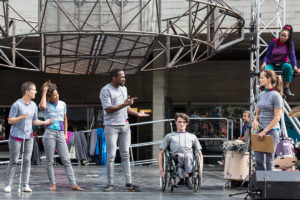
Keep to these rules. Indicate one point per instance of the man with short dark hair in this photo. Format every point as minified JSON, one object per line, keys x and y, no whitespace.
{"x":181,"y":145}
{"x":22,"y":115}
{"x":116,"y":104}
{"x":246,"y":120}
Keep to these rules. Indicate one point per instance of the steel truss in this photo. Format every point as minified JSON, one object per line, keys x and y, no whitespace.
{"x":95,"y":36}
{"x":258,"y":28}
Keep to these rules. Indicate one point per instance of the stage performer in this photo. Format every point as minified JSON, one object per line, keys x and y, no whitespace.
{"x":246,"y":120}
{"x":116,"y":105}
{"x":182,"y":145}
{"x":268,"y":112}
{"x":55,"y":135}
{"x":22,"y":115}
{"x":281,"y":56}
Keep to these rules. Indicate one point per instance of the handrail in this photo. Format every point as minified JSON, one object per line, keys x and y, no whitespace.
{"x":136,"y":145}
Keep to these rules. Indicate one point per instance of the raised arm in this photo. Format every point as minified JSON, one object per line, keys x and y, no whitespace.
{"x":43,"y":102}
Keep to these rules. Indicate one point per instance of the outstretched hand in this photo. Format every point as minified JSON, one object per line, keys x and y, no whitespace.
{"x":297,"y":70}
{"x":143,"y":114}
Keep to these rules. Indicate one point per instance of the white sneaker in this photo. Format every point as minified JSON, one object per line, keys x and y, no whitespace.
{"x":26,"y":188}
{"x":7,"y":189}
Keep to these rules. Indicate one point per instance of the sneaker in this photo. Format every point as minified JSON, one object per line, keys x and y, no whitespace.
{"x":26,"y":188}
{"x":287,"y":92}
{"x":108,"y":188}
{"x":132,"y":188}
{"x":188,"y":183}
{"x":181,"y":182}
{"x":7,"y":189}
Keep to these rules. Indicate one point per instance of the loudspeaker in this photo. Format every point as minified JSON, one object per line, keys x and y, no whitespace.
{"x":275,"y":185}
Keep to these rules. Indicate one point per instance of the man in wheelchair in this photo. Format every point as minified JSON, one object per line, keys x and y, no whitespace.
{"x":182,"y":149}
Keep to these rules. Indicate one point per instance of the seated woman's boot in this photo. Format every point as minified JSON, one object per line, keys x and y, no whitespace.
{"x":287,"y":91}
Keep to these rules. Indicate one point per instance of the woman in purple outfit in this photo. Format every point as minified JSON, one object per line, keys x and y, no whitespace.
{"x":281,"y":56}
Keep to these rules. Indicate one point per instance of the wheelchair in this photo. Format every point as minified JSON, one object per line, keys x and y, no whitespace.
{"x":170,"y":168}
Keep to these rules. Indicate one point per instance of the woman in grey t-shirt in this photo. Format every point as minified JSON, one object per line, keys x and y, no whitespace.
{"x":55,"y":134}
{"x":268,"y":112}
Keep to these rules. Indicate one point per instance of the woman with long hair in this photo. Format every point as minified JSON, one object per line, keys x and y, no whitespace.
{"x":281,"y":56}
{"x":56,"y":133}
{"x":268,"y":112}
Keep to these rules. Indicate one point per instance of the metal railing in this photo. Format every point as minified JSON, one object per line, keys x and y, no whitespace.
{"x":229,"y":130}
{"x":170,"y":122}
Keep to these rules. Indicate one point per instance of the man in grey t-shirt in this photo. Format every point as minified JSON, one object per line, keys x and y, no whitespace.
{"x":116,"y":104}
{"x":22,"y":115}
{"x":181,"y":145}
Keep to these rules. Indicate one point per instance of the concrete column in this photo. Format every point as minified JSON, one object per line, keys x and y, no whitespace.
{"x":158,"y":107}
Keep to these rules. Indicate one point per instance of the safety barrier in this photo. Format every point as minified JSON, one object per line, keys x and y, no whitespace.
{"x":205,"y":137}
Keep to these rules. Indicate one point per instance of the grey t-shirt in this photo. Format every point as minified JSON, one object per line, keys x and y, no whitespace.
{"x":267,"y":102}
{"x":180,"y":142}
{"x":109,"y":96}
{"x":20,"y":108}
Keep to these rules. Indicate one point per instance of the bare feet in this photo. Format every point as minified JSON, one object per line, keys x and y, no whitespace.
{"x":76,"y":187}
{"x":53,"y":187}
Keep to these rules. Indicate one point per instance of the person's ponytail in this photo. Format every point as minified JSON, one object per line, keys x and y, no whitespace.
{"x":278,"y":85}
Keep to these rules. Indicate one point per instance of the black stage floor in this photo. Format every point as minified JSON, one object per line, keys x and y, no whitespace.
{"x":93,"y":180}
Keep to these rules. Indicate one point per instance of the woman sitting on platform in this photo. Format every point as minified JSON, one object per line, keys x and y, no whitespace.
{"x":281,"y":56}
{"x":55,"y":135}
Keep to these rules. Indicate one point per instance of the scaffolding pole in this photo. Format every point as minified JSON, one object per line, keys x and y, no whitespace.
{"x":258,"y":26}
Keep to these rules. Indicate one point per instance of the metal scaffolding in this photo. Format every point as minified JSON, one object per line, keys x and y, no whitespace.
{"x":260,"y":27}
{"x":94,"y":36}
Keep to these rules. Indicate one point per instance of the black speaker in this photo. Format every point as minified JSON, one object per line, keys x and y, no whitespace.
{"x":275,"y":185}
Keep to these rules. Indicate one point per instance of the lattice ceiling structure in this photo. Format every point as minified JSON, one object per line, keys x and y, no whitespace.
{"x":94,"y":36}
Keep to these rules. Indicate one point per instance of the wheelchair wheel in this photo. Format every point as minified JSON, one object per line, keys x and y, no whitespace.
{"x":197,"y":176}
{"x":164,"y":180}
